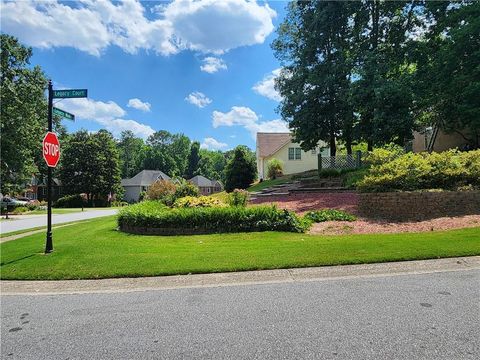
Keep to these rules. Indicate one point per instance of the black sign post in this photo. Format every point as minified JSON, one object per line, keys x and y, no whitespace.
{"x":49,"y":243}
{"x":55,"y":94}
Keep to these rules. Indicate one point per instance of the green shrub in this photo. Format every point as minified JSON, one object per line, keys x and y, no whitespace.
{"x":201,"y":201}
{"x":161,"y":190}
{"x":448,"y":170}
{"x":70,"y":201}
{"x":186,"y":189}
{"x":351,"y":179}
{"x":153,"y":214}
{"x":327,"y":173}
{"x":383,"y":155}
{"x":329,"y":215}
{"x":274,"y":169}
{"x":19,"y":210}
{"x":238,"y":197}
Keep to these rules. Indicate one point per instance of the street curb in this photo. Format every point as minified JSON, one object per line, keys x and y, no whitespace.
{"x":20,"y":287}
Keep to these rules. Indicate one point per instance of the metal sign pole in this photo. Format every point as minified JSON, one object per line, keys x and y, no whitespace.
{"x":49,"y":244}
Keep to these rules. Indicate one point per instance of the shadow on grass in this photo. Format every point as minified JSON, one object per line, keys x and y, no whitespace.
{"x":16,"y":260}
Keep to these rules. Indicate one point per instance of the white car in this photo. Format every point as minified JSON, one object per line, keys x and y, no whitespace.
{"x":10,"y":202}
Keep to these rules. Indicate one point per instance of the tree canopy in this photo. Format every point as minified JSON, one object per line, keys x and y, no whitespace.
{"x":241,"y":170}
{"x":372,"y":71}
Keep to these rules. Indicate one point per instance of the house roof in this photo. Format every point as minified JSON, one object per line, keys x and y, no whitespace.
{"x":145,"y":178}
{"x":270,"y":143}
{"x":201,"y":181}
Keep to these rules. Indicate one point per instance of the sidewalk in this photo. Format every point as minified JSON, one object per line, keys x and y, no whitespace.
{"x":238,"y":278}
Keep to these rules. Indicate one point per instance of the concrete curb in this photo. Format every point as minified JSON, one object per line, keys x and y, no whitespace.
{"x":238,"y":278}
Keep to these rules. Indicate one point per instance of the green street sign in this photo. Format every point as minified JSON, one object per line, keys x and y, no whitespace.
{"x":72,"y":93}
{"x":63,"y":114}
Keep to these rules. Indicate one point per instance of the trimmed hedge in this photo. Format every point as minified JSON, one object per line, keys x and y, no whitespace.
{"x":70,"y":201}
{"x":151,"y":217}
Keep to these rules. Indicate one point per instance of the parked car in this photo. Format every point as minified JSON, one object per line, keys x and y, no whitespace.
{"x":11,"y":202}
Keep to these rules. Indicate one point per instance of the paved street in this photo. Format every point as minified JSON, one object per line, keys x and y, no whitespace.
{"x":428,"y":316}
{"x":41,"y":220}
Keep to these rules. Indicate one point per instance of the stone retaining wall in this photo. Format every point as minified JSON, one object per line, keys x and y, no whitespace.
{"x":408,"y":206}
{"x":165,"y":231}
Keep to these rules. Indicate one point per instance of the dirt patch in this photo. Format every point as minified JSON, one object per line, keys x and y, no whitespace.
{"x":367,"y":226}
{"x":303,"y":202}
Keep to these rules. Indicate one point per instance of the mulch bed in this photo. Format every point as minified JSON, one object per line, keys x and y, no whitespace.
{"x":370,"y":226}
{"x":303,"y":202}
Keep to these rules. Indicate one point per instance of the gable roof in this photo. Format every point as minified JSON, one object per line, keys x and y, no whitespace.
{"x":270,"y":143}
{"x":145,"y":178}
{"x":202,"y":181}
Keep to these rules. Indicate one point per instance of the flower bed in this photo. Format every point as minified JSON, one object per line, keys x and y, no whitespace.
{"x":151,"y":217}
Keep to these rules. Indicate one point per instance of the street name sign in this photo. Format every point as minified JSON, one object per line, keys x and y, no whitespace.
{"x":72,"y":93}
{"x":63,"y":114}
{"x":51,"y":149}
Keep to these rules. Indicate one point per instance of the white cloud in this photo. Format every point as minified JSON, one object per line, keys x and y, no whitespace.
{"x":266,"y":87}
{"x":238,"y":115}
{"x":90,"y":109}
{"x":208,"y":26}
{"x":212,"y":144}
{"x":198,"y":99}
{"x":247,"y":118}
{"x":212,"y":65}
{"x":213,"y":26}
{"x":116,"y":126}
{"x":139,"y":104}
{"x":107,"y":114}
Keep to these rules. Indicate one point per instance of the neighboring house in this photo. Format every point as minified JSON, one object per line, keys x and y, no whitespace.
{"x":281,"y":146}
{"x":206,"y":186}
{"x":140,"y":182}
{"x":38,"y":190}
{"x":435,"y":139}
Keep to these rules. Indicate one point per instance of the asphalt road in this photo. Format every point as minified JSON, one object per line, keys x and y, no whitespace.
{"x":428,"y":316}
{"x":41,"y":220}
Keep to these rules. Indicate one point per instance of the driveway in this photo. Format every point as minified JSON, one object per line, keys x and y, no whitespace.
{"x":421,"y":316}
{"x":7,"y":226}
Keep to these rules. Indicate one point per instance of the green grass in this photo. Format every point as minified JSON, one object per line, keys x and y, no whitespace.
{"x":18,"y":232}
{"x":97,"y":250}
{"x":267,"y":183}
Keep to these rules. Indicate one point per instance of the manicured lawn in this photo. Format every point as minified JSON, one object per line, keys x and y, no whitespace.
{"x":97,"y":250}
{"x":267,"y":183}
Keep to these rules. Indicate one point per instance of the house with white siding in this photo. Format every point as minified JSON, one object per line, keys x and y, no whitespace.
{"x":282,"y":147}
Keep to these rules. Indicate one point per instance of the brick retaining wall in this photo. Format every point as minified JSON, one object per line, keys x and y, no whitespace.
{"x":418,"y":205}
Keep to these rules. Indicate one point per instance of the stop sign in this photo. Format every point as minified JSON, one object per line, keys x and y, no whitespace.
{"x":51,"y":149}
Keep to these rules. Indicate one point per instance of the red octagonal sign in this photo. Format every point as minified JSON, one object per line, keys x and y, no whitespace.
{"x":51,"y":149}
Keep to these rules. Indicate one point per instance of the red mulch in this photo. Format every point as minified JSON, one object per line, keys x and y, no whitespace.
{"x":368,"y":226}
{"x":303,"y":202}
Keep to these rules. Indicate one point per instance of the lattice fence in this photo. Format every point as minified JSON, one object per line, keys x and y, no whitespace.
{"x":340,"y":162}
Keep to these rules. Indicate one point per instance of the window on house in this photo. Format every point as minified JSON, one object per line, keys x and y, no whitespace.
{"x":314,"y":152}
{"x":291,"y":153}
{"x":298,"y":154}
{"x":294,"y":154}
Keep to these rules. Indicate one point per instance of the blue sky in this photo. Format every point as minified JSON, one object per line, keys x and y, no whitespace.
{"x":202,"y":68}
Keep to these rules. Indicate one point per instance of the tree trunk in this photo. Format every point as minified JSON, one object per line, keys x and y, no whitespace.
{"x":333,"y":145}
{"x":369,"y":145}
